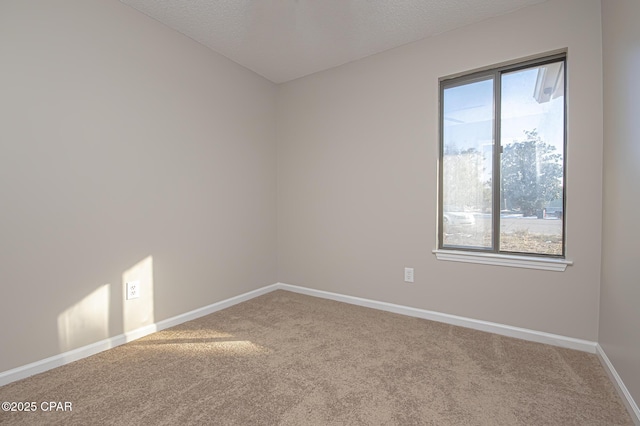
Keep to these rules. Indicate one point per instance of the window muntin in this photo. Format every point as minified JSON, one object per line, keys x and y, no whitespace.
{"x":495,"y":197}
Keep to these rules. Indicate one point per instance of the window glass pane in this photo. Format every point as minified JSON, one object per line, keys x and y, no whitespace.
{"x":467,"y":132}
{"x":531,"y":169}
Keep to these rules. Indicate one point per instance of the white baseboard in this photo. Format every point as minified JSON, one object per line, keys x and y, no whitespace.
{"x":624,"y":393}
{"x":491,"y":327}
{"x":94,"y":348}
{"x":505,"y":330}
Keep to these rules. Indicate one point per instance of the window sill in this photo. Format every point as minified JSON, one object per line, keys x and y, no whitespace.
{"x":529,"y":262}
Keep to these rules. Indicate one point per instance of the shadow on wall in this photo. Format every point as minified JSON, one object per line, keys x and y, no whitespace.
{"x":87,"y":321}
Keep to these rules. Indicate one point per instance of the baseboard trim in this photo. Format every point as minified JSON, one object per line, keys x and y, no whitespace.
{"x":27,"y":370}
{"x":624,"y":393}
{"x":94,"y":348}
{"x":491,"y":327}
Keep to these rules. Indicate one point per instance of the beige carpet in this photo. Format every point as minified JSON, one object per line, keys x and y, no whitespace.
{"x":289,"y":359}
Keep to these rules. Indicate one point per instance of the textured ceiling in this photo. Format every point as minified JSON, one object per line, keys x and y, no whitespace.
{"x":286,"y":39}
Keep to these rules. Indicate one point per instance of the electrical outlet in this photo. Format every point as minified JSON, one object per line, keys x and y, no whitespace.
{"x":408,"y":275}
{"x":133,"y":290}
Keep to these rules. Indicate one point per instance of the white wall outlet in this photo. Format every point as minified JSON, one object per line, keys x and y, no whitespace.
{"x":408,"y":275}
{"x":133,"y":290}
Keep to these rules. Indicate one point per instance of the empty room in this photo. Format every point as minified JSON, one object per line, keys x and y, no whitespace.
{"x":319,"y":212}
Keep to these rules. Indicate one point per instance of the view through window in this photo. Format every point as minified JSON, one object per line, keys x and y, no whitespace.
{"x":502,"y":160}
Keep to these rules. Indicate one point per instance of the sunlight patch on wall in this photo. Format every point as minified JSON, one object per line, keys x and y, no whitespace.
{"x":138,"y":312}
{"x":85,"y":322}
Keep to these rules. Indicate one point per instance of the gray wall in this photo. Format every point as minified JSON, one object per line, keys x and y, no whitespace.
{"x":620,"y":290}
{"x":358,"y":148}
{"x":123,"y":143}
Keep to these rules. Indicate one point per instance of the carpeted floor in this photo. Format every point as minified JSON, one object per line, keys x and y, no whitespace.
{"x":289,"y":359}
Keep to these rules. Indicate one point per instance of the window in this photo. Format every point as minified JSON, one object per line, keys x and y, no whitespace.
{"x":502,"y":160}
